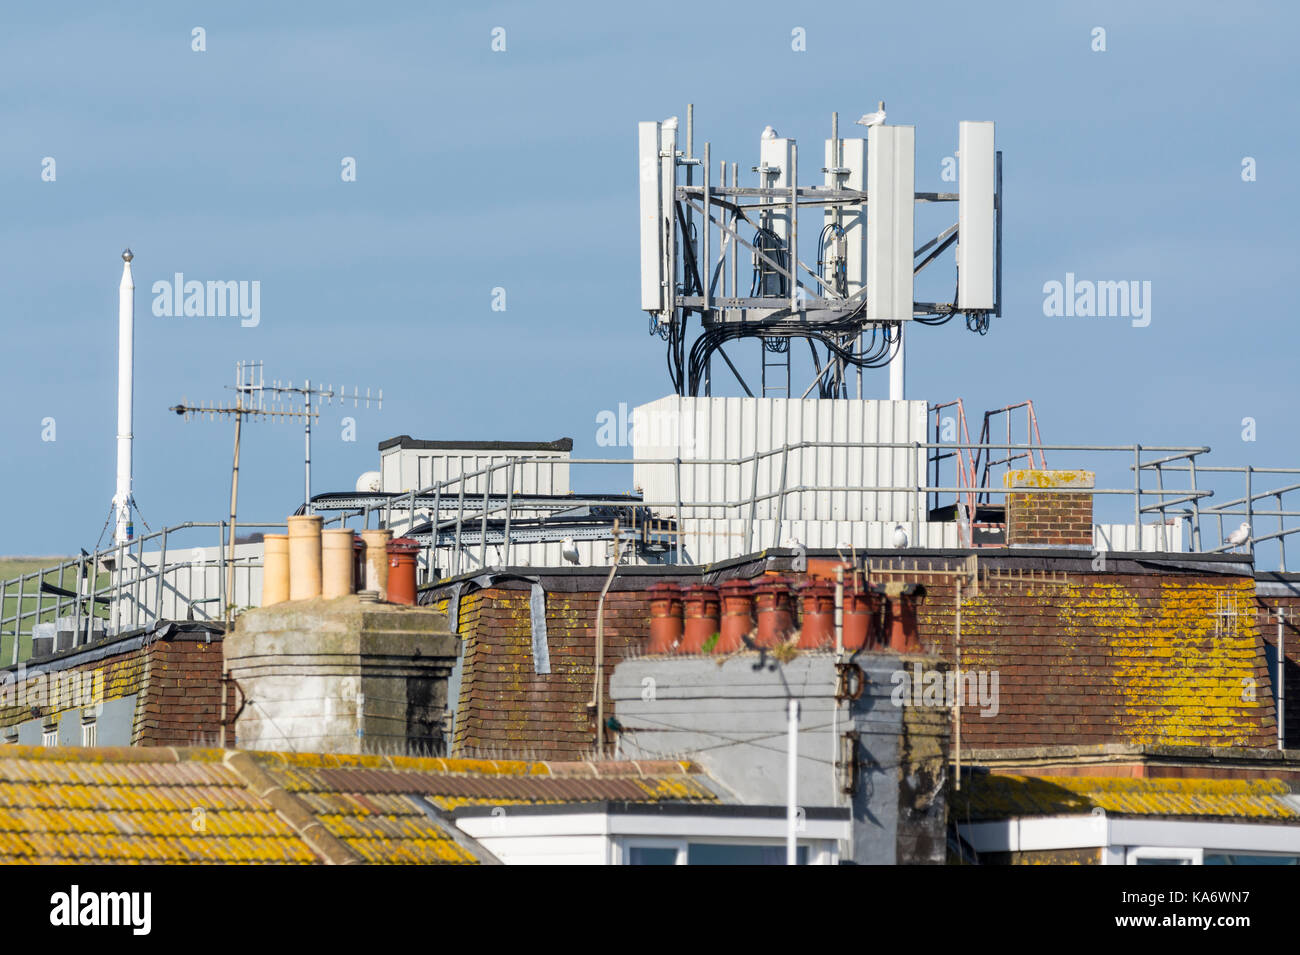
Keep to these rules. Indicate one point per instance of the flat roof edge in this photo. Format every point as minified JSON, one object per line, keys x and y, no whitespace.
{"x":406,"y":442}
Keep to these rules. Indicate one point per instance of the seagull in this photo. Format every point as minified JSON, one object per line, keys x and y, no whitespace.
{"x":874,"y":119}
{"x":900,"y":536}
{"x":523,"y":562}
{"x":769,"y":132}
{"x":569,"y":550}
{"x":1239,"y":536}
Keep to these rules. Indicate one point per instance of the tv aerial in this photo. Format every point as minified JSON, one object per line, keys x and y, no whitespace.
{"x":251,"y":401}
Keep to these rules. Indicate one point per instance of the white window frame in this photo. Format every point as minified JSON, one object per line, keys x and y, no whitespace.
{"x":49,"y":736}
{"x":1136,"y":854}
{"x":1121,"y":840}
{"x":623,"y":847}
{"x":89,"y":733}
{"x":524,"y":836}
{"x":819,"y":850}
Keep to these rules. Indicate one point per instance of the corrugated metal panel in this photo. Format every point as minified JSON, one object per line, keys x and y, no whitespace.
{"x":1156,"y":538}
{"x":535,"y":554}
{"x":731,"y":428}
{"x":707,"y":540}
{"x":407,"y":469}
{"x":193,"y":578}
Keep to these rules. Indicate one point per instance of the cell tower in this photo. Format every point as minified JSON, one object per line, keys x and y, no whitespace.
{"x":851,"y":300}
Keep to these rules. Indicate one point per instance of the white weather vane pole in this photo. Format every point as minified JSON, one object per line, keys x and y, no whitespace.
{"x":125,"y":388}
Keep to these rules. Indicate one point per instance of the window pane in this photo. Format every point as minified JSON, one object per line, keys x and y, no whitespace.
{"x":1237,"y":858}
{"x":651,"y":855}
{"x":708,"y":853}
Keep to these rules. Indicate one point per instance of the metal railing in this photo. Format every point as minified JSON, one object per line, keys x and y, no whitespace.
{"x":180,"y":572}
{"x":453,"y":510}
{"x":1244,"y":506}
{"x":176,"y":573}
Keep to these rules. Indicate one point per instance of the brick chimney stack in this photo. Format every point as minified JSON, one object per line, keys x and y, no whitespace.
{"x":1059,"y":517}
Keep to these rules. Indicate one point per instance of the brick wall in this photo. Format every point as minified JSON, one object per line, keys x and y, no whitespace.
{"x":505,"y":706}
{"x":120,"y":675}
{"x":1081,"y":658}
{"x":1110,"y":658}
{"x":176,"y":682}
{"x":181,"y":702}
{"x":1049,"y":517}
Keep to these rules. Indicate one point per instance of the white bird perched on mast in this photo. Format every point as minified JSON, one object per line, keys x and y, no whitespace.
{"x":874,"y":119}
{"x":1239,"y":536}
{"x":569,"y":550}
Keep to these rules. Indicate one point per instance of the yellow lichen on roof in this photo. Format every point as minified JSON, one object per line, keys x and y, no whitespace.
{"x":132,"y":805}
{"x":62,"y":804}
{"x":1001,"y":797}
{"x":411,"y":851}
{"x":492,"y":767}
{"x":673,"y":788}
{"x":452,"y":803}
{"x":1181,"y":668}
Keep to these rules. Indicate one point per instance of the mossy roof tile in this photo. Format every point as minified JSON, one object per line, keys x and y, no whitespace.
{"x":996,"y":796}
{"x":164,"y":805}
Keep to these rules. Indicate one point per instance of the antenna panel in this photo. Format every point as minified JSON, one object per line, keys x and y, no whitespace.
{"x":890,"y":222}
{"x":652,"y":218}
{"x":975,"y":225}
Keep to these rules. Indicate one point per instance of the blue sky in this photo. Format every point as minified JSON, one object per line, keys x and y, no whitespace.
{"x":478,"y":170}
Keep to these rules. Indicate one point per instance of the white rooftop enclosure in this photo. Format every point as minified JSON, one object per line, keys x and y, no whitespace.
{"x":709,"y":430}
{"x":410,"y":465}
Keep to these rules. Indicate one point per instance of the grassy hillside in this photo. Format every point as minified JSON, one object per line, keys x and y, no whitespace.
{"x":11,"y":567}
